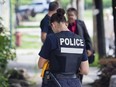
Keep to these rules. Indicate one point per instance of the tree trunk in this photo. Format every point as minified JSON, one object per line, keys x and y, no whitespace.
{"x":114,"y":14}
{"x":95,"y":44}
{"x":100,"y":29}
{"x":80,"y":8}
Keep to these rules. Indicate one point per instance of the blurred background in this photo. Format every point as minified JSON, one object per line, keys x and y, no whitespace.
{"x":22,"y":19}
{"x":24,"y":16}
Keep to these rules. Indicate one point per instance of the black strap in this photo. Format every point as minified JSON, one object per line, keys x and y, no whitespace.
{"x":66,"y":75}
{"x":55,"y":80}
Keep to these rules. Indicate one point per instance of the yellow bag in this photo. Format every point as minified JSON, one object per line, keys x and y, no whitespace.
{"x":45,"y":67}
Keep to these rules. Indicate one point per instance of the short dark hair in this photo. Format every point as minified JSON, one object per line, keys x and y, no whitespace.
{"x":53,"y":6}
{"x":59,"y":16}
{"x":72,"y":9}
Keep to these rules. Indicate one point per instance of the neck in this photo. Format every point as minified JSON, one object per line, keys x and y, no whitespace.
{"x":50,"y":13}
{"x":71,"y":22}
{"x":62,"y":28}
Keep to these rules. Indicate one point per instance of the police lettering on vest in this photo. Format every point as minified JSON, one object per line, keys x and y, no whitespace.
{"x":69,"y":53}
{"x":71,"y":42}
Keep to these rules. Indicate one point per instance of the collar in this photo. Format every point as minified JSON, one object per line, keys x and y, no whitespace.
{"x":72,"y":24}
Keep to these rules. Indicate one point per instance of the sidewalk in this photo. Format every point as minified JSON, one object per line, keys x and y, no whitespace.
{"x":27,"y":59}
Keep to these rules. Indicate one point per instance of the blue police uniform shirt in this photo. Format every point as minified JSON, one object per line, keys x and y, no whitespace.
{"x":51,"y":43}
{"x":45,"y":25}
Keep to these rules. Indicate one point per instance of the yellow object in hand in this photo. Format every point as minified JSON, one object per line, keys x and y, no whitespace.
{"x":45,"y":67}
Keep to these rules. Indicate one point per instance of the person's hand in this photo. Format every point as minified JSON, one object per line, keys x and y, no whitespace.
{"x":89,"y":53}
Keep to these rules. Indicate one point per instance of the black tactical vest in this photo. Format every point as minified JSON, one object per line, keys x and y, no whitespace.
{"x":66,"y":58}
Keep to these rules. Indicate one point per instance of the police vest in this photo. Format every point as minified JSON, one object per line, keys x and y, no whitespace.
{"x":66,"y":58}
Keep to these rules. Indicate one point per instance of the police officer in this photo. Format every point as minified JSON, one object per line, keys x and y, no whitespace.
{"x":45,"y":25}
{"x":65,"y":52}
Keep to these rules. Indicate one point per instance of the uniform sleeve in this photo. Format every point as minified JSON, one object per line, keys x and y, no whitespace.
{"x":46,"y":48}
{"x":44,"y":26}
{"x":85,"y":57}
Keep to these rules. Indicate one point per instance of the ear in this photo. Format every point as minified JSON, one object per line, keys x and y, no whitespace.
{"x":54,"y":24}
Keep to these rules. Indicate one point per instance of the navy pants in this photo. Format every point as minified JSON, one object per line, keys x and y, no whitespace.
{"x":65,"y":82}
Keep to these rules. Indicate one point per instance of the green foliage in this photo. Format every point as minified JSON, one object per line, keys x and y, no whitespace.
{"x":3,"y":81}
{"x":96,"y":61}
{"x":21,"y":2}
{"x":64,"y":3}
{"x":107,"y":3}
{"x":89,"y":3}
{"x":6,"y":53}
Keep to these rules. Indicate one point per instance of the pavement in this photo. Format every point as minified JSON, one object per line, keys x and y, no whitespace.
{"x":27,"y":59}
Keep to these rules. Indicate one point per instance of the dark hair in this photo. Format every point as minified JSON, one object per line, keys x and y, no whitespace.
{"x":72,"y":9}
{"x":53,"y":6}
{"x":59,"y":16}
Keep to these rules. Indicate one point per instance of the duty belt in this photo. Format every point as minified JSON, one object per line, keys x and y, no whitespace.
{"x":65,"y":75}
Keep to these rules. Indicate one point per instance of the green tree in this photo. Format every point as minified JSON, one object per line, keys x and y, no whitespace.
{"x":21,"y":2}
{"x":107,"y":3}
{"x":64,"y":3}
{"x":89,"y":3}
{"x":6,"y":53}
